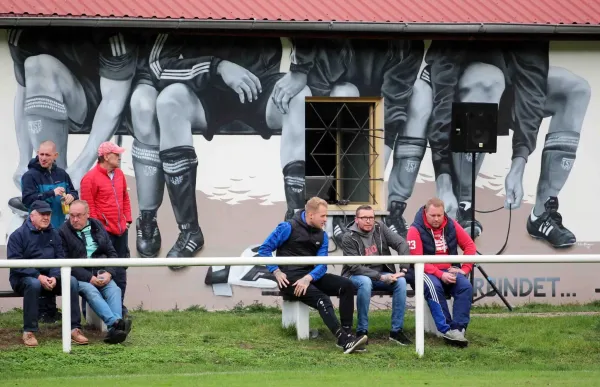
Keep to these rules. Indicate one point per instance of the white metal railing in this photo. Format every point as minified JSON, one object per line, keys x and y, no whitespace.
{"x":419,"y":261}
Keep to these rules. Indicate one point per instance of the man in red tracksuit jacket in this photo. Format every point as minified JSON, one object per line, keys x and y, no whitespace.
{"x":104,"y":188}
{"x":433,"y":232}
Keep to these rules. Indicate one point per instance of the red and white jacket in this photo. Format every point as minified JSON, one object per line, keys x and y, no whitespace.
{"x":107,"y":198}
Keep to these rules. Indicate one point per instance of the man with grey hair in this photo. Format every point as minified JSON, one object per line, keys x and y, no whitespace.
{"x":85,"y":237}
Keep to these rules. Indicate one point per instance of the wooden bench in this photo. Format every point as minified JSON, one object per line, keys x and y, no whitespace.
{"x":8,"y":294}
{"x":295,"y":313}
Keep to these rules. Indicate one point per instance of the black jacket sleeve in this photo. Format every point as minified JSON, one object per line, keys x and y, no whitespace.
{"x":15,"y":249}
{"x":80,"y":273}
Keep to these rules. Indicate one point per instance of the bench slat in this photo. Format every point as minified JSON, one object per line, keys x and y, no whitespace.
{"x":8,"y":294}
{"x":277,"y":293}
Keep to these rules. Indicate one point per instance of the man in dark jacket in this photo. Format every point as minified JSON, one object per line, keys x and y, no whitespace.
{"x":303,"y":235}
{"x":37,"y":239}
{"x":366,"y":237}
{"x":84,"y":237}
{"x":46,"y":181}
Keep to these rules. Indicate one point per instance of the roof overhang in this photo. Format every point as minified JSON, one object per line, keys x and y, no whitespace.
{"x":301,"y":26}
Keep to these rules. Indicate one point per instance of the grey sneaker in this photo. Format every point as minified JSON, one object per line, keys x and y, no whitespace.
{"x":456,"y":337}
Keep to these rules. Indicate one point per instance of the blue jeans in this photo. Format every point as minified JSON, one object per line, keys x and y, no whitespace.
{"x":365,"y":285}
{"x":106,"y":301}
{"x":435,"y":294}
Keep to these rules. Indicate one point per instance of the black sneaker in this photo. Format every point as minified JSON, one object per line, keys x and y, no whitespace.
{"x":464,"y":217}
{"x":115,"y":336}
{"x":148,"y":239}
{"x":187,"y":245}
{"x":400,"y":338}
{"x":124,"y":325}
{"x":395,"y":220}
{"x":349,"y":343}
{"x":549,"y":226}
{"x":360,"y":334}
{"x":339,"y":229}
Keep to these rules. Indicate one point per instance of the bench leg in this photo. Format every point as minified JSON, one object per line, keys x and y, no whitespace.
{"x":295,"y":313}
{"x":93,"y":320}
{"x":430,"y":324}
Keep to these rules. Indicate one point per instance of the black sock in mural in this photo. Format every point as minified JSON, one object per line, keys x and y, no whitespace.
{"x":294,"y":183}
{"x":45,"y":115}
{"x":149,"y":176}
{"x":408,"y":153}
{"x":150,"y":181}
{"x":558,"y":158}
{"x":180,"y":165}
{"x":462,"y":165}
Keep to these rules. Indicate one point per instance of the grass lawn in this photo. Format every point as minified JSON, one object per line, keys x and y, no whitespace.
{"x":247,"y":346}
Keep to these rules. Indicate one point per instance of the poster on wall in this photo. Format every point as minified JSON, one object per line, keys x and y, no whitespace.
{"x":214,"y":132}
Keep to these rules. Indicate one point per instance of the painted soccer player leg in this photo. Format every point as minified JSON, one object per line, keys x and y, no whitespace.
{"x":567,"y":103}
{"x":53,"y":97}
{"x":22,"y":134}
{"x":408,"y":150}
{"x":149,"y":174}
{"x":343,"y":89}
{"x":483,"y":83}
{"x":285,"y":110}
{"x":179,"y":110}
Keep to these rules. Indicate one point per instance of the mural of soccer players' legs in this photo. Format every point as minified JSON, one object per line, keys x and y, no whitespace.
{"x":179,"y":110}
{"x":483,"y":83}
{"x":149,"y":175}
{"x":567,"y":102}
{"x":53,"y":96}
{"x":286,"y":111}
{"x":342,"y":89}
{"x":23,"y":141}
{"x":408,"y":149}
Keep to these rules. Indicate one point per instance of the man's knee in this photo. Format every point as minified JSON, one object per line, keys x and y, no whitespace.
{"x":567,"y":86}
{"x":172,"y":99}
{"x":31,"y":284}
{"x":421,"y":102}
{"x":362,"y":283}
{"x":345,"y":89}
{"x":400,"y":284}
{"x":481,"y":82}
{"x":74,"y":284}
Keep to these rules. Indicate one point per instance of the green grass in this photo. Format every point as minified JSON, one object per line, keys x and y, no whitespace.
{"x":248,"y":346}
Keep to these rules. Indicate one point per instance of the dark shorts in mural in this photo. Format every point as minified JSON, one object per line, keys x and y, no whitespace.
{"x":225,"y":114}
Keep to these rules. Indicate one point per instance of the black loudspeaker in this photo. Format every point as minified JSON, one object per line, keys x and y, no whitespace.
{"x":474,"y":127}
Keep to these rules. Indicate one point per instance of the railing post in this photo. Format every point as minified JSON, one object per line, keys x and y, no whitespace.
{"x":419,"y":309}
{"x":65,"y":280}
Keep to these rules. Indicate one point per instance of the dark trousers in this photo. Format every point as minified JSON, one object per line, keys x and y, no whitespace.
{"x":317,"y":297}
{"x":31,"y":289}
{"x":121,"y":245}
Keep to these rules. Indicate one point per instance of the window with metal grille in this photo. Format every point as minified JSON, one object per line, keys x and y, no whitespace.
{"x":344,"y":151}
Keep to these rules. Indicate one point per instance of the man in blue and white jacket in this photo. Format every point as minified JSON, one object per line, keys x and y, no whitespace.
{"x":303,"y":235}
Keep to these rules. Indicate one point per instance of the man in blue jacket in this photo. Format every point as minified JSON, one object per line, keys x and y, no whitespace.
{"x":303,"y":235}
{"x":37,"y":239}
{"x":46,"y":181}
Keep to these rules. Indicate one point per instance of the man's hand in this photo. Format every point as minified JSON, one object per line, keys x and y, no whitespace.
{"x":456,"y":270}
{"x":96,"y":281}
{"x":240,"y":80}
{"x":69,"y":198}
{"x":448,"y":278}
{"x":398,"y":275}
{"x":58,"y":191}
{"x":52,"y":282}
{"x":514,"y":183}
{"x":301,"y":285}
{"x":286,"y":88}
{"x":102,"y":280}
{"x":388,"y":278}
{"x":281,"y":278}
{"x":45,"y":281}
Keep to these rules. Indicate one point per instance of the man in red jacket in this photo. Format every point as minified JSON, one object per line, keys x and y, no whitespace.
{"x":433,"y":232}
{"x":104,"y":188}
